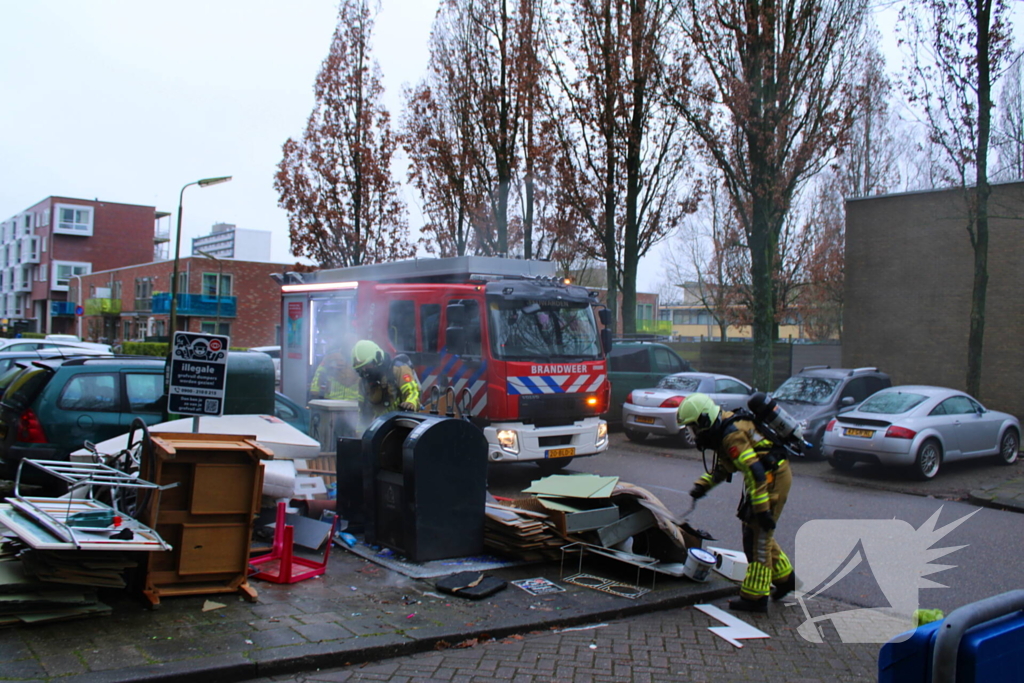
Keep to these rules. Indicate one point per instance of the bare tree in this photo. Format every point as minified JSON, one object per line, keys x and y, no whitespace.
{"x":958,"y":48}
{"x":1008,"y":138}
{"x":772,"y":109}
{"x":439,"y":135}
{"x":869,"y":163}
{"x":705,"y":260}
{"x":626,"y":161}
{"x":335,"y":181}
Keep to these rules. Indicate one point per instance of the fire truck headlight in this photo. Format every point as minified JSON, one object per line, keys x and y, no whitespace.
{"x":508,"y":440}
{"x":602,"y":433}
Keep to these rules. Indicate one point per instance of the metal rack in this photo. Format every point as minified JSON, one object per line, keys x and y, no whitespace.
{"x":53,"y":513}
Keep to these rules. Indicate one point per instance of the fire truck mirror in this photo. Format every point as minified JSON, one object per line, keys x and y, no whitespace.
{"x":605,"y":316}
{"x":456,"y":315}
{"x":606,"y":339}
{"x":455,"y":340}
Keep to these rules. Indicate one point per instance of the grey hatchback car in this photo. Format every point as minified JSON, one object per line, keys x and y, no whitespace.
{"x":817,"y":393}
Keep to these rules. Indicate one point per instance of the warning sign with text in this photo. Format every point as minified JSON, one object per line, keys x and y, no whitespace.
{"x":199,"y":365}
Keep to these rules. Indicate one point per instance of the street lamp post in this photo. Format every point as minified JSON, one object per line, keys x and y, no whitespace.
{"x":205,"y":182}
{"x":220,"y":280}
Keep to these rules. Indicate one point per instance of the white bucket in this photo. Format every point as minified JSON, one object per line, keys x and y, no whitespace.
{"x":698,"y":564}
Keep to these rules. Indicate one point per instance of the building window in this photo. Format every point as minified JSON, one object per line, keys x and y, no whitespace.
{"x":74,"y":220}
{"x":63,"y":271}
{"x":215,"y":328}
{"x":115,"y":290}
{"x":210,"y":287}
{"x":28,"y":223}
{"x":143,"y":293}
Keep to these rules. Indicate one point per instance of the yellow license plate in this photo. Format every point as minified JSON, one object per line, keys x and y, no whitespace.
{"x":863,"y":433}
{"x":561,"y":452}
{"x":644,"y":420}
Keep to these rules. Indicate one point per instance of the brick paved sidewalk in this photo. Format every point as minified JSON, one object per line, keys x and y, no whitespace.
{"x":671,"y":645}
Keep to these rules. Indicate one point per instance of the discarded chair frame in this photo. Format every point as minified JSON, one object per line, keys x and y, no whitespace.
{"x":80,"y":475}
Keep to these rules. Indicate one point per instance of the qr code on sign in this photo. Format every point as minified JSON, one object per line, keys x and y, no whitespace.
{"x":211,"y":406}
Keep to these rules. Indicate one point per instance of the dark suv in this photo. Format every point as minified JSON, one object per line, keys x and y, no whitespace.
{"x":638,"y":365}
{"x":817,"y":393}
{"x":50,"y":407}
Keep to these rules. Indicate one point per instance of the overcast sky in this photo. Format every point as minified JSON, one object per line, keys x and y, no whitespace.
{"x":128,"y":100}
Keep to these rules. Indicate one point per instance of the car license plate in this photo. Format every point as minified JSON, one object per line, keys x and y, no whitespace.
{"x":862,"y":433}
{"x":644,"y":420}
{"x":561,"y":452}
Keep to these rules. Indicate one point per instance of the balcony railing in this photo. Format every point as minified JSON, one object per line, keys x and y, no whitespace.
{"x":197,"y":304}
{"x":103,"y":307}
{"x":62,"y":308}
{"x":662,"y":327}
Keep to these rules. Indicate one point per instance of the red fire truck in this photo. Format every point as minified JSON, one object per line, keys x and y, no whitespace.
{"x":520,"y":350}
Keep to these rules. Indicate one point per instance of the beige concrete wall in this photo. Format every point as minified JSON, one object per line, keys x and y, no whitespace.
{"x":909,"y":271}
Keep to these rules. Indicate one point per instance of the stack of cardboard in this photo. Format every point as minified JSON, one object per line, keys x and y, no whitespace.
{"x":521,"y":534}
{"x":25,"y":600}
{"x":79,"y":567}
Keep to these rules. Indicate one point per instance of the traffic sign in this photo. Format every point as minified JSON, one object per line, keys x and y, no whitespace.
{"x":198,"y":374}
{"x":79,"y":311}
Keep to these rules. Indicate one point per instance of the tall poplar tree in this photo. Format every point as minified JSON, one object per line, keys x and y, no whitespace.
{"x":772,"y":107}
{"x":335,"y":181}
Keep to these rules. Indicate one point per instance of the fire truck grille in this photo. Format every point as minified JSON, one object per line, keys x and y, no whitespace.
{"x":548,"y":407}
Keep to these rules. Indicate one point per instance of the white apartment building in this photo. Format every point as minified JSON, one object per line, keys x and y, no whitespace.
{"x":229,"y":241}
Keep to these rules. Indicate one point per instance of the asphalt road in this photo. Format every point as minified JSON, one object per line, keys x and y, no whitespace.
{"x":851,"y":504}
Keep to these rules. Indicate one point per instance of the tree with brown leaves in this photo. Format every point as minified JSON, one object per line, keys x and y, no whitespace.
{"x":958,"y":48}
{"x":626,"y":167}
{"x":771,"y":109}
{"x":335,"y":181}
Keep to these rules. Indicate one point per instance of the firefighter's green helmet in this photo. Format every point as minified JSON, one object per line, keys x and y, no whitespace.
{"x":366,"y":352}
{"x":693,"y":407}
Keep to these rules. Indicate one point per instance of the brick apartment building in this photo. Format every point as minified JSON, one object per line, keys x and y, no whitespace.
{"x":44,"y":249}
{"x":225,"y":296}
{"x":909,"y":272}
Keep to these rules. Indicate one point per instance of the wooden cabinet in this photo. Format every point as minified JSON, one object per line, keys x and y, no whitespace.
{"x":207,"y":516}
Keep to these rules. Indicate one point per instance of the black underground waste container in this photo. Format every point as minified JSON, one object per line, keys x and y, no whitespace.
{"x":424,"y":485}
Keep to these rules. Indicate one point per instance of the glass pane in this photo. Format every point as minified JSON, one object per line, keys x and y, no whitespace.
{"x":96,"y":393}
{"x":402,"y":325}
{"x":813,"y":390}
{"x":209,"y":284}
{"x":679,"y":383}
{"x":628,"y":361}
{"x":144,"y":392}
{"x":430,"y":319}
{"x":892,"y":403}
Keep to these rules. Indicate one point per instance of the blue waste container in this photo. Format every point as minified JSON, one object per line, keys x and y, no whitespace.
{"x":991,"y":651}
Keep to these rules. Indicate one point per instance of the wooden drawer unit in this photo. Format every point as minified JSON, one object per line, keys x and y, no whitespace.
{"x":207,"y":517}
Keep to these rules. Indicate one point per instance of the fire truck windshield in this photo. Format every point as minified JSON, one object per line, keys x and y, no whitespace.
{"x":532,"y":330}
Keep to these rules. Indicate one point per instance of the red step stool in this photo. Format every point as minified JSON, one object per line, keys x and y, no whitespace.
{"x":282,"y":566}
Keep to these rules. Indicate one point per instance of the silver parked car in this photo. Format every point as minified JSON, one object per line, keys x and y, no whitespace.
{"x":922,"y":427}
{"x":653,"y":411}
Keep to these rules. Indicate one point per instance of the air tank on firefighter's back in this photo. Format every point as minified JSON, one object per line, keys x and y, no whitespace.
{"x":766,"y":410}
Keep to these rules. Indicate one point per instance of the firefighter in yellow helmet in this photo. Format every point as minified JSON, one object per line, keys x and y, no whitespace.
{"x":767,"y":478}
{"x":386,"y":383}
